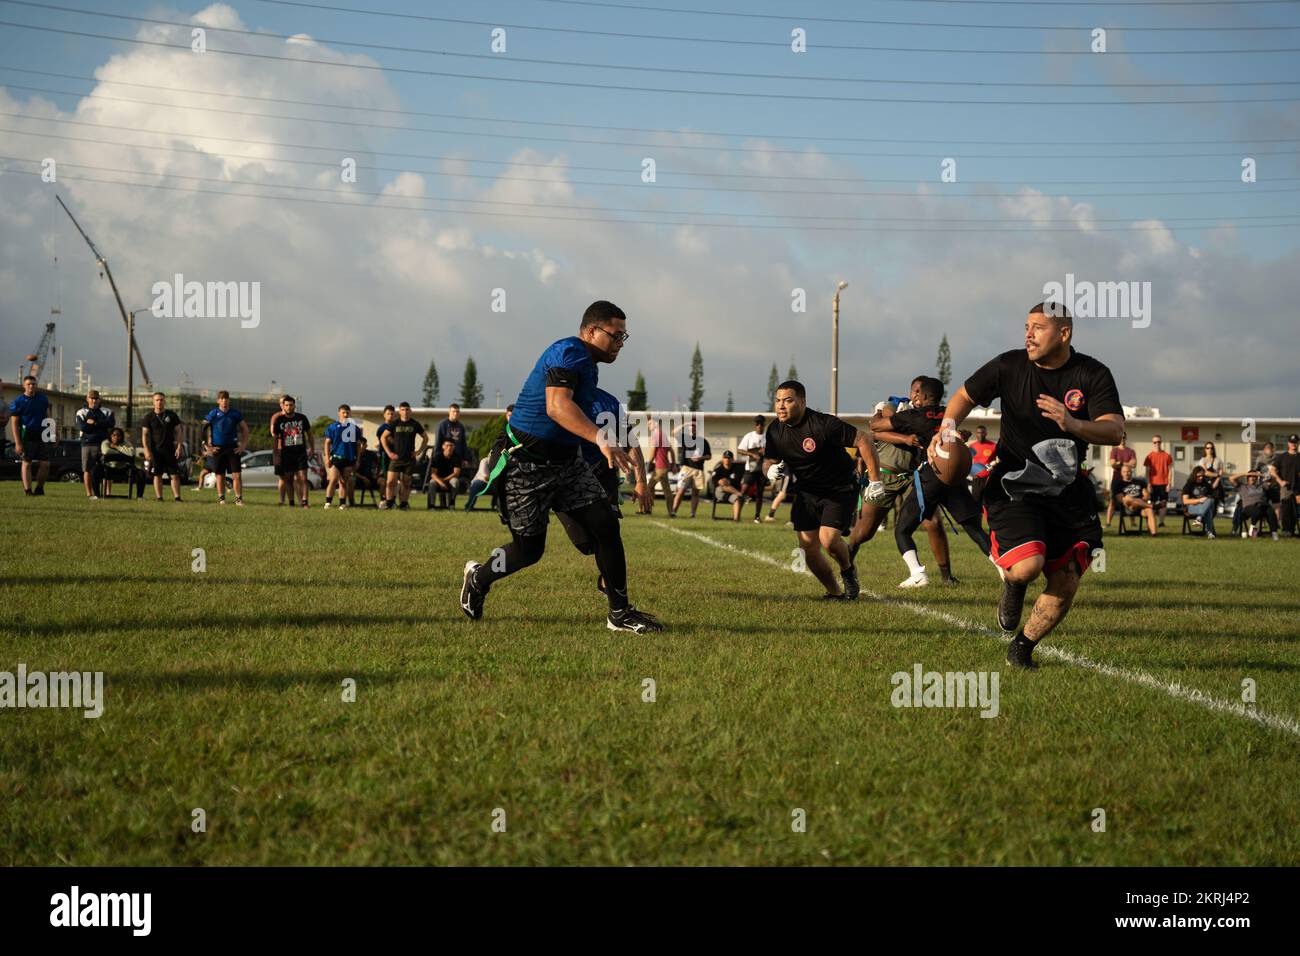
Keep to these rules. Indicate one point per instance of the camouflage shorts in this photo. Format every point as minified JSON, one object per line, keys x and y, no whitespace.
{"x":533,"y":489}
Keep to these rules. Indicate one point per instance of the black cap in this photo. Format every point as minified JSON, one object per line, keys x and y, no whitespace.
{"x":727,"y":454}
{"x":1294,"y":438}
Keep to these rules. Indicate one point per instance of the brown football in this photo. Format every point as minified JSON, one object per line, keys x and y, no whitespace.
{"x":951,"y":462}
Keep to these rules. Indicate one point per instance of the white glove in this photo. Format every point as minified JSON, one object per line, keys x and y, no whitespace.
{"x":876,"y":491}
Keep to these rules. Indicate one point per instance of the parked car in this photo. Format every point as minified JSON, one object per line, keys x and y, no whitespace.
{"x":259,"y":471}
{"x":65,"y":461}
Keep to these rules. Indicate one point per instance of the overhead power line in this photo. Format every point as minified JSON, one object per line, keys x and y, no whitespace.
{"x":623,"y":88}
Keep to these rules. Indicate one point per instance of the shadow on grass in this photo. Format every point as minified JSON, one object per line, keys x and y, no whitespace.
{"x":274,"y":680}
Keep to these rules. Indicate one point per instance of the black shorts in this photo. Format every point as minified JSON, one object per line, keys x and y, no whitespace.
{"x":292,"y":461}
{"x":163,"y":461}
{"x":813,"y":512}
{"x":401,"y":466}
{"x":226,"y":461}
{"x":1062,"y":529}
{"x":1159,"y":494}
{"x":1273,"y":494}
{"x":532,"y":489}
{"x":342,"y":464}
{"x":956,"y":498}
{"x":1117,"y":488}
{"x":34,"y":449}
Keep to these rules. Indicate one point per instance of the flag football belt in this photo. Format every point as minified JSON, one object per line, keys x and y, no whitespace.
{"x":517,"y":447}
{"x":920,"y":501}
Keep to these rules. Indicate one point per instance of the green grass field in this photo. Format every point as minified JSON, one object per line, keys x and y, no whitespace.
{"x":224,"y":692}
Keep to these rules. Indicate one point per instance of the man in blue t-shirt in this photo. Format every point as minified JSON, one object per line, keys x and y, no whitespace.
{"x":227,"y":434}
{"x":545,"y":471}
{"x":30,"y":424}
{"x":341,"y":456}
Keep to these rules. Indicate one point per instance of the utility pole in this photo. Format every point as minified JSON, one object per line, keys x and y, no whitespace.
{"x":835,"y":348}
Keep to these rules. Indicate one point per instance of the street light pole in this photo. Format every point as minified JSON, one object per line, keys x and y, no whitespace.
{"x":130,"y":365}
{"x":835,"y":349}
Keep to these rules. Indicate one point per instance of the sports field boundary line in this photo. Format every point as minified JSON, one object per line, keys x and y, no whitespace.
{"x":1177,"y":691}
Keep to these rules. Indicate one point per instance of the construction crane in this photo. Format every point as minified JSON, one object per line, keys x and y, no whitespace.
{"x":133,"y":350}
{"x":37,"y":358}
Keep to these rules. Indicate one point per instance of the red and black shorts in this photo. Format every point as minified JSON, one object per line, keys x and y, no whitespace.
{"x":1061,"y":529}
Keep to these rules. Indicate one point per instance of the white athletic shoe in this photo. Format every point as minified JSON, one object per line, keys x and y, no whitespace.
{"x":329,"y":505}
{"x":918,"y":580}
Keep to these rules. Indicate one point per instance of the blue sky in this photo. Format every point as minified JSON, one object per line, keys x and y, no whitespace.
{"x":1218,"y":293}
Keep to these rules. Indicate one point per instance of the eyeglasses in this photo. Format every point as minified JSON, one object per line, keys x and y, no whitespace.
{"x":616,"y":336}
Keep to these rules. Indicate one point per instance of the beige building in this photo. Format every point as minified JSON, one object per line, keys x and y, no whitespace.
{"x":63,"y":408}
{"x":1183,"y":437}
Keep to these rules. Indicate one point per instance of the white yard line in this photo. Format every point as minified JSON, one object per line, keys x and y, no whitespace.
{"x":1199,"y":697}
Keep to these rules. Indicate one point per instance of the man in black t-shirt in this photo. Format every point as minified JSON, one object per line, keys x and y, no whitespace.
{"x":693,"y":451}
{"x":161,"y":438}
{"x":399,"y":443}
{"x":812,"y":445}
{"x":727,"y":478}
{"x":1287,"y":466}
{"x":291,"y":432}
{"x":928,"y":491}
{"x":1040,"y":503}
{"x":444,"y":471}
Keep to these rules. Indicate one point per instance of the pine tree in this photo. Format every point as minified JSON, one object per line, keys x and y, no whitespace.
{"x":793,"y":374}
{"x":431,"y":385}
{"x":731,"y":405}
{"x":471,"y":392}
{"x":773,"y":380}
{"x":637,"y":400}
{"x":944,"y":363}
{"x":697,"y":379}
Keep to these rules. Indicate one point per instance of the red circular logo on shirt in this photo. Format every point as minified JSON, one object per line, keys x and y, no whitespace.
{"x":809,"y":445}
{"x":1074,"y":399}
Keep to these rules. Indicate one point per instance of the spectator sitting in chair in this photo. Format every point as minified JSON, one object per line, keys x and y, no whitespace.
{"x":367,"y":477}
{"x":727,"y":478}
{"x":1254,"y":505}
{"x":1131,"y":495}
{"x":1198,"y":499}
{"x":444,"y":473}
{"x":1119,"y":456}
{"x":121,"y":461}
{"x":479,"y":483}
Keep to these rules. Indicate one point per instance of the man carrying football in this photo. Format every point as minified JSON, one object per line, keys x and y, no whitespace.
{"x":1041,"y":506}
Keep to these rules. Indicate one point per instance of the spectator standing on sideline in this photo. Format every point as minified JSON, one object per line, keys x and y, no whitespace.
{"x":1159,"y":467}
{"x":341,"y":453}
{"x":1198,"y":499}
{"x":693,"y":452}
{"x":390,"y":416}
{"x":294,"y":447}
{"x":228,"y":435}
{"x":452,"y":429}
{"x":96,"y":423}
{"x":161,"y":439}
{"x":751,"y":450}
{"x":1254,"y":505}
{"x":1288,"y":473}
{"x":727,"y":478}
{"x":1119,"y":456}
{"x":981,"y":454}
{"x":399,"y":443}
{"x":664,"y":462}
{"x":28,"y":414}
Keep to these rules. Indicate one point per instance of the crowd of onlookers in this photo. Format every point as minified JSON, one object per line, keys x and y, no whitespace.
{"x":1264,"y":496}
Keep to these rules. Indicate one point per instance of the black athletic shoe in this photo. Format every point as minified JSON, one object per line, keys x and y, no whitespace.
{"x":630,"y":619}
{"x":833,"y":597}
{"x":471,"y":598}
{"x":1021,"y":656}
{"x":28,"y":493}
{"x":39,"y":492}
{"x":1010,"y":605}
{"x":851,"y":586}
{"x":404,"y":506}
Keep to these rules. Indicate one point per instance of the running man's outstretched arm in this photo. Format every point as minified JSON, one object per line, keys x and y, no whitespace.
{"x":564,"y":411}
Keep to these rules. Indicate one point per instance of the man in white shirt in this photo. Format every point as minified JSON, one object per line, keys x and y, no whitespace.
{"x":751,"y":452}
